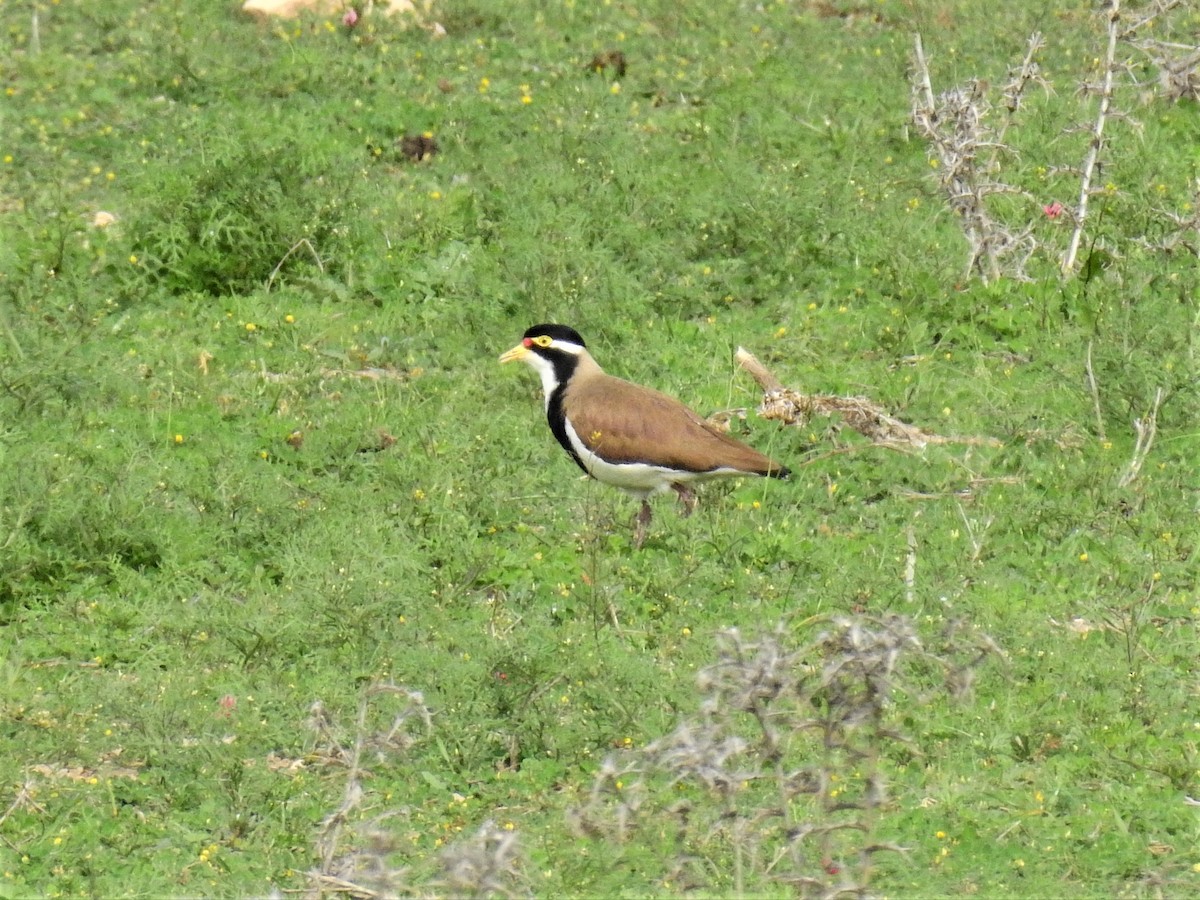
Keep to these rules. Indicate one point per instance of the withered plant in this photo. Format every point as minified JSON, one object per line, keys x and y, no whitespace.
{"x":361,"y":856}
{"x":965,"y":148}
{"x":968,"y":147}
{"x":781,"y":775}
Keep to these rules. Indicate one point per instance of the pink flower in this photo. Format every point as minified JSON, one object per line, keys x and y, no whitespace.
{"x":1053,"y":210}
{"x":350,"y":19}
{"x":228,"y":704}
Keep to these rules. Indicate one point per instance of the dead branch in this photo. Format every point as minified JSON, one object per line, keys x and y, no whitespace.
{"x":864,"y":416}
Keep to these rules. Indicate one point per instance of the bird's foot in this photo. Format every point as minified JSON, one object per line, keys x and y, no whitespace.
{"x":641,"y":521}
{"x":687,"y":498}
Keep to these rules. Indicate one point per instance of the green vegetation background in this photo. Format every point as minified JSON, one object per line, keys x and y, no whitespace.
{"x":256,"y":452}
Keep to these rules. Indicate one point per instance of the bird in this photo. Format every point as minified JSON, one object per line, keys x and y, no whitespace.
{"x":626,"y":435}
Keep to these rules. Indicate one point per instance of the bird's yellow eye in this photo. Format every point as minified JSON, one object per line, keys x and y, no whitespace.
{"x":543,"y":340}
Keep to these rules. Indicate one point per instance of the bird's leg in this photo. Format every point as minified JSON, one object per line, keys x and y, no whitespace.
{"x":687,"y":498}
{"x":642,"y":519}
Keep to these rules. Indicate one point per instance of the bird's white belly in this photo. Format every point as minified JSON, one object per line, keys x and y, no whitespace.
{"x":641,"y":479}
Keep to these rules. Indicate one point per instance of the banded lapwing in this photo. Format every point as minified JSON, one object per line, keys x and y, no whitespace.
{"x":627,"y":435}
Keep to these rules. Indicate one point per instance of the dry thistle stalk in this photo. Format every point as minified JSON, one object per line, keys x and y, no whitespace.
{"x":1178,"y":68}
{"x":964,"y":150}
{"x":486,"y":864}
{"x":955,"y":124}
{"x":1178,"y":63}
{"x":1185,"y":230}
{"x":1013,"y":93}
{"x":616,"y":798}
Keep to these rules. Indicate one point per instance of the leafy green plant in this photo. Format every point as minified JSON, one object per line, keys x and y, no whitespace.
{"x":224,"y":221}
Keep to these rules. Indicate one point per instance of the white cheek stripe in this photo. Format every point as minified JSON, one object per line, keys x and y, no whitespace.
{"x":545,"y":370}
{"x":640,"y":479}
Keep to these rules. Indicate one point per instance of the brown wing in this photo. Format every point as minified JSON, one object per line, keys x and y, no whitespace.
{"x":625,"y":422}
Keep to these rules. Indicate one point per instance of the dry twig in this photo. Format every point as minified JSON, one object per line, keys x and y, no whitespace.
{"x":303,"y":242}
{"x":864,"y":416}
{"x":1146,"y":429}
{"x":1178,"y":63}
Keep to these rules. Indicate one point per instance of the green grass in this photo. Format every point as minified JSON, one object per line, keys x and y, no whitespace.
{"x":256,"y":450}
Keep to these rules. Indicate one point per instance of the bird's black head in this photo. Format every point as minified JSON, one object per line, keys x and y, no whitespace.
{"x":555,"y":333}
{"x":554,"y":350}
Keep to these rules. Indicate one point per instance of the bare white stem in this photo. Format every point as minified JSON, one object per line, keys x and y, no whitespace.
{"x":923,"y":73}
{"x":976,"y":541}
{"x":1095,"y":392}
{"x":1097,"y":141}
{"x":910,"y":564}
{"x":1146,"y":429}
{"x":303,"y":242}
